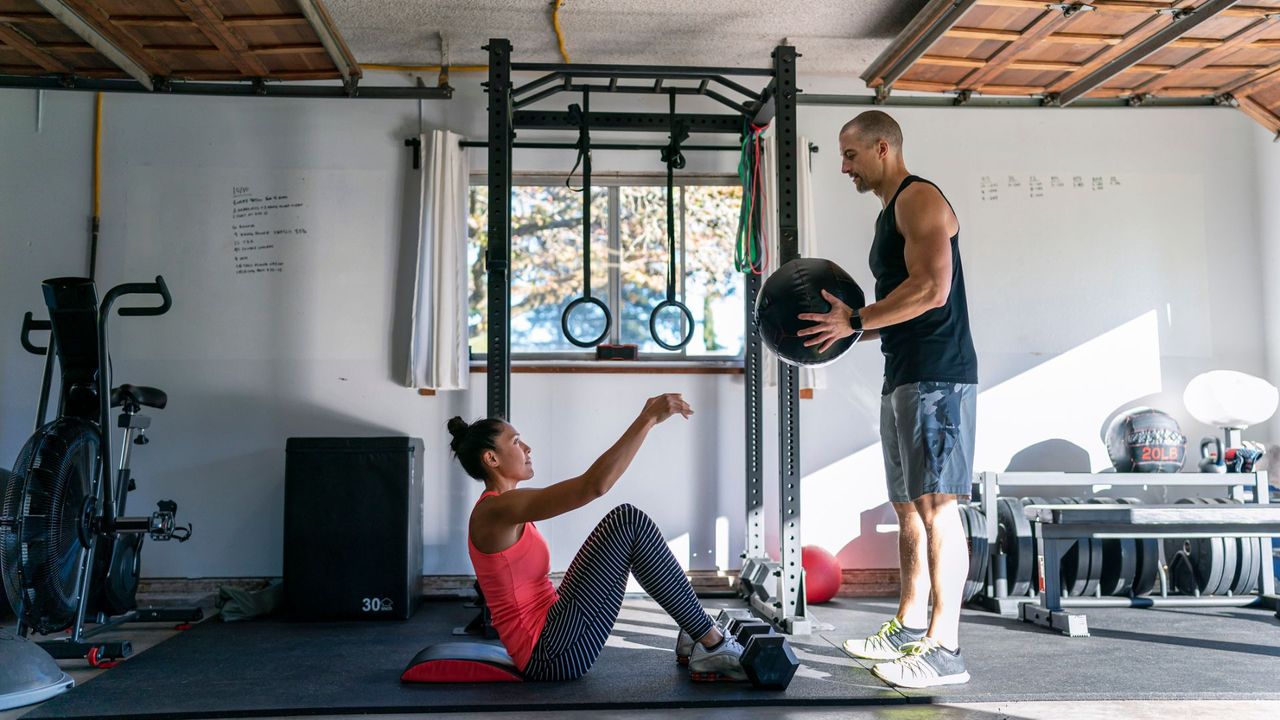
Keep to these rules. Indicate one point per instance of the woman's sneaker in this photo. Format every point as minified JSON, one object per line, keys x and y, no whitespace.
{"x":924,"y":664}
{"x":684,"y":644}
{"x":885,"y":644}
{"x":722,"y":663}
{"x":684,"y":647}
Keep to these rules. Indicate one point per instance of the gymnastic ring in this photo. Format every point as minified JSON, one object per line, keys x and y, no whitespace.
{"x":653,"y":324}
{"x":586,"y":300}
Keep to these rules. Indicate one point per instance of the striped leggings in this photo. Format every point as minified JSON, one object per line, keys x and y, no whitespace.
{"x":625,"y":542}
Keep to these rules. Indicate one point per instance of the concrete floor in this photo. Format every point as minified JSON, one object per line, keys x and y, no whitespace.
{"x":1127,"y":710}
{"x":1112,"y":710}
{"x":143,"y":637}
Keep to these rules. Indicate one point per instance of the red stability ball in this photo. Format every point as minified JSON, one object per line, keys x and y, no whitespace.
{"x":821,"y":574}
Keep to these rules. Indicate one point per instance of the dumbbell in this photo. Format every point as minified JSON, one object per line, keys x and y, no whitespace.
{"x":728,"y":615}
{"x":746,"y":630}
{"x":769,"y":661}
{"x":767,"y":657}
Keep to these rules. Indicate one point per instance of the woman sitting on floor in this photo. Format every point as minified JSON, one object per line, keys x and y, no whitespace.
{"x":557,"y":635}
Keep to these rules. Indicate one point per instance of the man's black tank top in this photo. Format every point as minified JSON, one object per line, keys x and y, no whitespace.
{"x":936,"y":345}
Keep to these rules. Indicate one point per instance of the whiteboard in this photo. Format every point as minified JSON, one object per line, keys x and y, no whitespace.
{"x":1058,"y":256}
{"x":262,"y":263}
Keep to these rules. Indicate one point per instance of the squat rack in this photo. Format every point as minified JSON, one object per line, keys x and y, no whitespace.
{"x":775,"y":589}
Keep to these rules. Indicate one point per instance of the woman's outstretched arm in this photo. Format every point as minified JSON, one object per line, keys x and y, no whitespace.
{"x":533,"y":504}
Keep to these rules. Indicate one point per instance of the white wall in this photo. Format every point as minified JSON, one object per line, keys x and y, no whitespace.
{"x":1082,"y":303}
{"x":1266,"y":190}
{"x":257,"y":367}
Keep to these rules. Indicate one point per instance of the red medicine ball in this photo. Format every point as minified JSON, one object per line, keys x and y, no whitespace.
{"x":821,"y":574}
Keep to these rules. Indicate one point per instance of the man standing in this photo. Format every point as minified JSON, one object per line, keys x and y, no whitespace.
{"x":928,"y":402}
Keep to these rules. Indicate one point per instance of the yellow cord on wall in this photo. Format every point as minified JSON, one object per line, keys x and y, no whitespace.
{"x":555,"y":22}
{"x":97,"y":155}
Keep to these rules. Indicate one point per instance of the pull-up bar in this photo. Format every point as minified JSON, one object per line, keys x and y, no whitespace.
{"x":599,"y":146}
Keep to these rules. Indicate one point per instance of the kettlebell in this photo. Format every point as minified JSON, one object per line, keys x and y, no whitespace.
{"x":1212,"y":461}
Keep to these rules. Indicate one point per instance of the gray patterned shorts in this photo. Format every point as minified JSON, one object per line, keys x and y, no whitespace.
{"x":927,"y":432}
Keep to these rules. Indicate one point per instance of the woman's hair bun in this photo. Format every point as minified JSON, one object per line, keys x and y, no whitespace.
{"x":458,"y":427}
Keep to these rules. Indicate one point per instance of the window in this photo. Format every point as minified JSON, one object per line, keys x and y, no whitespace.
{"x":629,"y":266}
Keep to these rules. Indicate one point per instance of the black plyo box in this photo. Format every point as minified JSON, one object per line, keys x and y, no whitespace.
{"x":353,"y":528}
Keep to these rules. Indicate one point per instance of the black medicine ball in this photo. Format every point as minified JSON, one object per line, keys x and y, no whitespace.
{"x":797,"y":288}
{"x":1146,"y":440}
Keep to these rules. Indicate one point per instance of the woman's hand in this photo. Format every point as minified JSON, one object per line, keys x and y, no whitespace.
{"x":664,"y":406}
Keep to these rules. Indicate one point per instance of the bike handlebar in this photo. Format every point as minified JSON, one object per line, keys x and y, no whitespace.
{"x":156,"y":288}
{"x":30,"y":324}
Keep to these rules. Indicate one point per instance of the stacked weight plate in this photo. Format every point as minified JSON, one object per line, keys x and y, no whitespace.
{"x":975,"y":530}
{"x":1118,"y":567}
{"x":1213,"y":566}
{"x":1018,"y":547}
{"x":1119,"y":560}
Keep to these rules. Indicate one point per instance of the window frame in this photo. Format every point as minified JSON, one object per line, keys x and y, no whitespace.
{"x":585,"y":359}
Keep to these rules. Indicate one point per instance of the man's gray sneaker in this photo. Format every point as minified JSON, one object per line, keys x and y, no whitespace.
{"x":885,"y":644}
{"x":924,"y":664}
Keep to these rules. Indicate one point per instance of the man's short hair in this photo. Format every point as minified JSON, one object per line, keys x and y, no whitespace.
{"x":874,"y":125}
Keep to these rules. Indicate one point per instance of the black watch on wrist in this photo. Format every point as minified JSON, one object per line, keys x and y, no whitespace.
{"x":855,"y":320}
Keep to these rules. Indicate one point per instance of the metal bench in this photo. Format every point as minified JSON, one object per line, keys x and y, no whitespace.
{"x":1057,"y":527}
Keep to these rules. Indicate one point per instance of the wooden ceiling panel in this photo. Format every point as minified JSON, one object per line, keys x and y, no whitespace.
{"x":1258,"y":81}
{"x":1193,"y":71}
{"x":47,"y":33}
{"x":1215,"y":74}
{"x":1264,"y":107}
{"x":1268,"y":96}
{"x":79,"y":55}
{"x":185,"y":34}
{"x":1029,"y":46}
{"x":936,"y":73}
{"x":1251,"y":56}
{"x":281,"y":34}
{"x":260,"y":7}
{"x":1132,"y":79}
{"x":1000,"y":65}
{"x":1108,"y":93}
{"x":1106,"y":23}
{"x":1172,"y":55}
{"x":11,"y":8}
{"x":150,"y":8}
{"x":1232,"y":82}
{"x":296,"y":64}
{"x":194,"y":39}
{"x":1024,"y":78}
{"x":1252,"y":81}
{"x":1224,"y":26}
{"x":999,"y":18}
{"x":1141,"y":31}
{"x":31,"y":51}
{"x":1060,"y":52}
{"x":964,"y":47}
{"x":202,"y":63}
{"x":59,"y":43}
{"x":1012,"y":90}
{"x":10,"y":56}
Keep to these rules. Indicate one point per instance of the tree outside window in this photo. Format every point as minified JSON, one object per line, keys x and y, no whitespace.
{"x":629,"y":265}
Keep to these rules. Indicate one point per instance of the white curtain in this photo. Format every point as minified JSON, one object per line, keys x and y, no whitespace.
{"x":810,"y":378}
{"x":438,"y":357}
